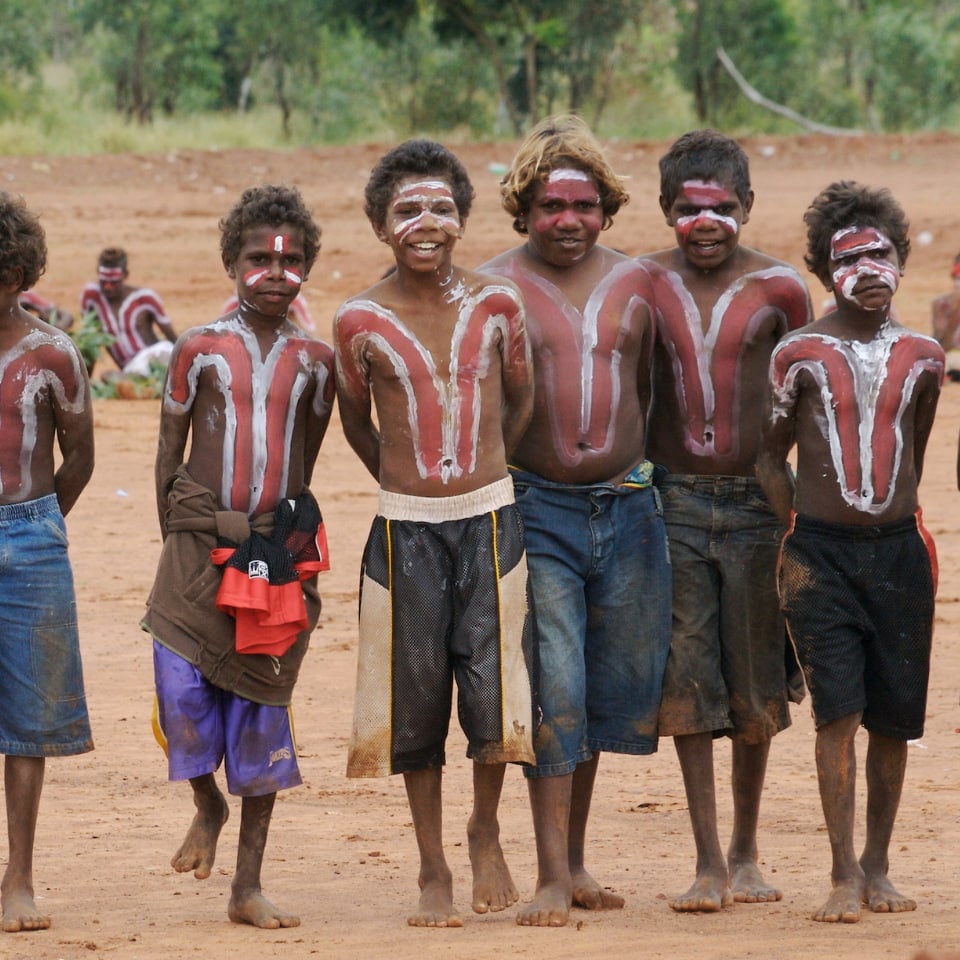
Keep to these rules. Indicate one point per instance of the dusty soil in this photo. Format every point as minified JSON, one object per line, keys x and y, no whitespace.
{"x":342,"y":853}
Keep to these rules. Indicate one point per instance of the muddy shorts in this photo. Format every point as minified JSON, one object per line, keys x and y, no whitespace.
{"x":859,"y":604}
{"x":725,"y":672}
{"x":199,"y":726}
{"x":43,"y":708}
{"x":443,"y":596}
{"x":600,"y":581}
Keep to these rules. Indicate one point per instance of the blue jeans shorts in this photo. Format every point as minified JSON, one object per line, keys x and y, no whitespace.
{"x":599,"y":572}
{"x":43,"y":707}
{"x":726,"y":671}
{"x":199,"y":726}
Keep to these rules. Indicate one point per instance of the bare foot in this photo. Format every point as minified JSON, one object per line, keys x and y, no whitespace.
{"x":254,"y":908}
{"x":748,"y":886}
{"x":20,"y":913}
{"x":843,"y":904}
{"x":881,"y":896}
{"x":435,"y":908}
{"x":709,"y":893}
{"x":493,"y":887}
{"x":199,"y":848}
{"x":550,"y":907}
{"x":587,"y":893}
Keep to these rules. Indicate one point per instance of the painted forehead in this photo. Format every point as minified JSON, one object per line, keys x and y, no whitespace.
{"x":570,"y":181}
{"x":422,"y":190}
{"x":851,"y":241}
{"x":706,"y":193}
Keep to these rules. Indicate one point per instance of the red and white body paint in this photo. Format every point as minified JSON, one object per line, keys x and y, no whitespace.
{"x":298,"y":311}
{"x":443,"y":414}
{"x":38,"y":364}
{"x":865,"y":390}
{"x":122,"y":325}
{"x":706,"y":365}
{"x":706,"y":195}
{"x":860,"y":242}
{"x":260,"y":400}
{"x":583,"y":409}
{"x":428,"y":195}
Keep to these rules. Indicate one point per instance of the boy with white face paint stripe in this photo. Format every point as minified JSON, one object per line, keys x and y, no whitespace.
{"x":721,"y":307}
{"x":442,"y":355}
{"x":596,"y":545}
{"x":856,"y":392}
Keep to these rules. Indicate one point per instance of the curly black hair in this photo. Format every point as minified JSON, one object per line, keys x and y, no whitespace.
{"x":23,"y":245}
{"x":416,"y":158}
{"x":846,"y":203}
{"x":273,"y":206}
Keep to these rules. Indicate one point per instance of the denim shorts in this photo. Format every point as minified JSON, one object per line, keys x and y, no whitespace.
{"x":726,"y":671}
{"x":600,"y":584}
{"x":199,"y":726}
{"x":43,"y":708}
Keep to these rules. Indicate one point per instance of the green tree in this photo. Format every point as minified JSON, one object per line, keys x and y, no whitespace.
{"x":155,"y":54}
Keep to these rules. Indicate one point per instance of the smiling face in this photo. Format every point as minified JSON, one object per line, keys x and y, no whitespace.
{"x":864,"y":266}
{"x":706,"y":216}
{"x":565,"y":217}
{"x":270,"y":269}
{"x":422,"y":223}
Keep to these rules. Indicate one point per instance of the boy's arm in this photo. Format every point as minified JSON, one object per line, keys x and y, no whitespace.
{"x":772,"y":468}
{"x":318,"y":416}
{"x":517,"y":381}
{"x":75,"y":440}
{"x":171,"y":443}
{"x":923,"y":422}
{"x":355,"y":402}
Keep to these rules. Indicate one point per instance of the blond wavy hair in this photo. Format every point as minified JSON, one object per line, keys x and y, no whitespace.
{"x":558,"y":142}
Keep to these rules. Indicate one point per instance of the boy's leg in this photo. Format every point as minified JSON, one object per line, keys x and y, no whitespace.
{"x":749,"y":769}
{"x":587,"y":892}
{"x":424,"y":795}
{"x":550,"y":805}
{"x":199,"y":848}
{"x":493,"y":887}
{"x":23,"y":783}
{"x":711,"y":888}
{"x":886,"y":764}
{"x":247,"y":902}
{"x":837,"y":774}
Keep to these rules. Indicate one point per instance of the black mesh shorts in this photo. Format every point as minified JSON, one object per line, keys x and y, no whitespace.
{"x":859,"y":605}
{"x":443,"y":600}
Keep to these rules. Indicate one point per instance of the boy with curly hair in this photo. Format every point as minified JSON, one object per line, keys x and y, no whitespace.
{"x":253,"y":393}
{"x":856,"y":393}
{"x":44,"y":403}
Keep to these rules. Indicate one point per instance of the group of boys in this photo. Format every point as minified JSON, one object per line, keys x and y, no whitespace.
{"x":583,"y":500}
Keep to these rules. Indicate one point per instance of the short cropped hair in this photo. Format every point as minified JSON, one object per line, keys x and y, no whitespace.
{"x":416,"y":158}
{"x":113,"y":257}
{"x":703,"y":155}
{"x":268,"y":205}
{"x":846,"y":203}
{"x":23,"y":244}
{"x":562,"y":141}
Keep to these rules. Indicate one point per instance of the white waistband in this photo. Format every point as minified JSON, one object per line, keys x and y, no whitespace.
{"x":402,"y":506}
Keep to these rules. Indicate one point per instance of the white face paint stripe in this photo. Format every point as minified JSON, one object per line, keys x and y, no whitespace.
{"x":567,"y":173}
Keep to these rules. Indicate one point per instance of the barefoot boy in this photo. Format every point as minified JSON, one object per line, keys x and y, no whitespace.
{"x":721,"y":308}
{"x":133,"y":316}
{"x":444,"y":355}
{"x":44,"y":402}
{"x":254,"y":394}
{"x":596,"y":545}
{"x":856,"y":392}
